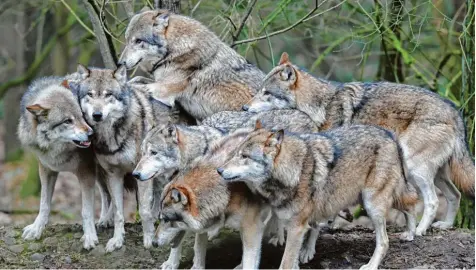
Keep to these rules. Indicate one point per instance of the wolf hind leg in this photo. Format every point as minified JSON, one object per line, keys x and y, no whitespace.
{"x":48,"y":181}
{"x":308,"y":248}
{"x":90,"y":238}
{"x":452,"y":195}
{"x":376,"y":207}
{"x":115,"y":184}
{"x":106,"y":216}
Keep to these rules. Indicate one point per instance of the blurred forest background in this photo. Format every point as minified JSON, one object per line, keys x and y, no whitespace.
{"x":429,"y":43}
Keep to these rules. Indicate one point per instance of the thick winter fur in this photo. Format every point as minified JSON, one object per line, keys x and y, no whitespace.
{"x":429,"y":128}
{"x":121,"y":117}
{"x":52,"y":126}
{"x":191,"y":65}
{"x":290,"y":120}
{"x":310,"y":177}
{"x":199,"y":201}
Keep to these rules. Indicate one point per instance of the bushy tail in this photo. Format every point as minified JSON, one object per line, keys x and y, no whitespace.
{"x":462,"y":168}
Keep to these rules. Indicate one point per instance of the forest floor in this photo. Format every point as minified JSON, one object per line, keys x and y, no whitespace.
{"x":60,"y":247}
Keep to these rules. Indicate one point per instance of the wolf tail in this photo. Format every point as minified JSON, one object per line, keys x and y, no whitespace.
{"x":462,"y":164}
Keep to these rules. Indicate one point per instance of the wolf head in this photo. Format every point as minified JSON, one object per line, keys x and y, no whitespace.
{"x":58,"y":118}
{"x":255,"y":158}
{"x":103,"y":94}
{"x":194,"y":199}
{"x":160,"y":152}
{"x":278,"y":90}
{"x":145,"y":38}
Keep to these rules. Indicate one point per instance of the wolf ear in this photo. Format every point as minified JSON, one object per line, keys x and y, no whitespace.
{"x":288,"y":74}
{"x":120,"y":74}
{"x":258,"y":124}
{"x":275,"y":139}
{"x":65,"y":84}
{"x":37,"y":110}
{"x":161,"y":19}
{"x":83,"y":72}
{"x":284,"y":59}
{"x":144,"y":9}
{"x":178,"y":197}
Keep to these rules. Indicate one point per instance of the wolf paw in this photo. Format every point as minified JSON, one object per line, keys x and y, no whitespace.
{"x":169,"y":265}
{"x":148,"y":240}
{"x":114,"y":243}
{"x":368,"y":267}
{"x":105,"y":222}
{"x":33,"y":231}
{"x":276,"y":240}
{"x":306,"y":254}
{"x":89,"y":241}
{"x":442,"y":225}
{"x":420,"y":232}
{"x":406,"y":236}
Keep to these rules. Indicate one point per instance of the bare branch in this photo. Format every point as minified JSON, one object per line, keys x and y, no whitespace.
{"x":243,"y":21}
{"x":105,"y":45}
{"x":234,"y":44}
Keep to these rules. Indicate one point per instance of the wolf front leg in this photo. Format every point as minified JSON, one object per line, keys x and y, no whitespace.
{"x":294,"y":239}
{"x":252,"y":229}
{"x":48,"y":180}
{"x":200,"y":250}
{"x":173,"y":261}
{"x":87,"y":182}
{"x":146,"y":193}
{"x":115,"y":184}
{"x":106,"y":217}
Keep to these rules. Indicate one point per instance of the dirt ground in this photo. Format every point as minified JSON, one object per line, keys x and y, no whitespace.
{"x":60,"y":247}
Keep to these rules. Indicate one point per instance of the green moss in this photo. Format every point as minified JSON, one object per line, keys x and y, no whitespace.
{"x":31,"y":185}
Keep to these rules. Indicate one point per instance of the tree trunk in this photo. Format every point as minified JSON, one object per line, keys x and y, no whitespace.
{"x":390,"y":66}
{"x":172,"y":5}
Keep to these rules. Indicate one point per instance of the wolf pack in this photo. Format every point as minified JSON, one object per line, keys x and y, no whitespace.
{"x":212,"y":142}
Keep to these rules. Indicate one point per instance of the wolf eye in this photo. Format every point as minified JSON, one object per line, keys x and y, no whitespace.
{"x":153,"y":153}
{"x":90,"y":94}
{"x":108,"y":95}
{"x":139,"y":41}
{"x":68,"y":121}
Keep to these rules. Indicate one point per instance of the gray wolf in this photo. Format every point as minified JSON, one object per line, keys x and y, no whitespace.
{"x":52,"y":126}
{"x":190,"y":64}
{"x":290,"y":120}
{"x":198,"y":200}
{"x":430,"y":129}
{"x":308,"y":178}
{"x":120,"y":116}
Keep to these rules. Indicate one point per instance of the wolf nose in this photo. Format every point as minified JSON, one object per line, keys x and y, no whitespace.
{"x":245,"y":107}
{"x":136,"y":175}
{"x":220,"y":171}
{"x":97,"y":116}
{"x":121,"y":62}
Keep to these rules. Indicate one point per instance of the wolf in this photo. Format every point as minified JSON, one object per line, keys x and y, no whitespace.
{"x":121,"y":116}
{"x":190,"y":64}
{"x":309,"y":177}
{"x":430,"y":130}
{"x":197,"y":200}
{"x":52,"y":126}
{"x":290,"y":120}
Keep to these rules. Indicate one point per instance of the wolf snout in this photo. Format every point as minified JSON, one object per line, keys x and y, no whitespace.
{"x":220,"y":171}
{"x":97,"y":116}
{"x":245,"y":107}
{"x":136,"y":175}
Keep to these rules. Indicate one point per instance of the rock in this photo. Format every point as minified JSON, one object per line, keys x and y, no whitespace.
{"x":34,"y":246}
{"x":50,"y":241}
{"x":37,"y":257}
{"x":99,"y":250}
{"x":67,"y":260}
{"x":5,"y":219}
{"x":12,"y":233}
{"x":144,"y":253}
{"x":77,"y":246}
{"x":77,"y":235}
{"x":16,"y":248}
{"x":9,"y":241}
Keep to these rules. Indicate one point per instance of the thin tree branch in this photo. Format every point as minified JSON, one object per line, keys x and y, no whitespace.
{"x":77,"y":18}
{"x":234,"y":44}
{"x":106,"y":46}
{"x":243,"y":21}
